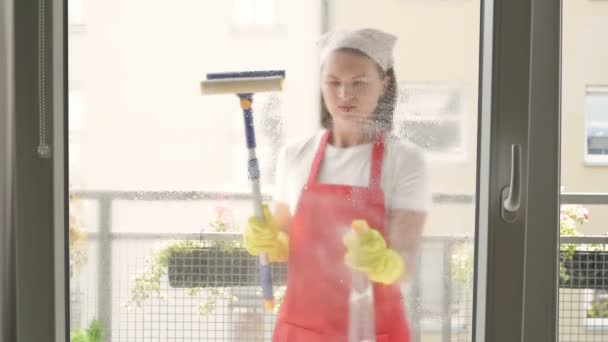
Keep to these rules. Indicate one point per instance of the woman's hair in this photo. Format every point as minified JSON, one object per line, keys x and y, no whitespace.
{"x":386,"y":103}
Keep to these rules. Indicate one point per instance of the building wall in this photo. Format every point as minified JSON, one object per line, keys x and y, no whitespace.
{"x":155,"y":88}
{"x":145,"y":125}
{"x":438,"y":43}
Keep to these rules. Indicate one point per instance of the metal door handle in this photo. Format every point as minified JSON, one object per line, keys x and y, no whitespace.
{"x":511,"y":194}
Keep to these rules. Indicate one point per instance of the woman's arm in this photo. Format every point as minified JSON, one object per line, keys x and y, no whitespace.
{"x":404,"y":231}
{"x":282,"y":216}
{"x":281,"y":213}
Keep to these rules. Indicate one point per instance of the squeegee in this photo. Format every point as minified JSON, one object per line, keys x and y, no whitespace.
{"x":245,"y":85}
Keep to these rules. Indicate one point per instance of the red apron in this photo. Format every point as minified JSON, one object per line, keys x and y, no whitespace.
{"x":315,"y":307}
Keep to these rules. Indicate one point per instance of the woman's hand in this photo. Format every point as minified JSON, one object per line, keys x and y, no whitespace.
{"x":367,"y":252}
{"x":263,"y":236}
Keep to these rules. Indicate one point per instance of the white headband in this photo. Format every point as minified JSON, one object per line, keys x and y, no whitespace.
{"x":378,"y":45}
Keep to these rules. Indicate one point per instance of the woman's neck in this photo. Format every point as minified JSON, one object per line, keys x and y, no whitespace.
{"x":343,"y":138}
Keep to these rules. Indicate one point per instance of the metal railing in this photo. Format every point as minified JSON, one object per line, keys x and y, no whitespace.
{"x":583,"y":293}
{"x":438,"y":304}
{"x":448,"y":316}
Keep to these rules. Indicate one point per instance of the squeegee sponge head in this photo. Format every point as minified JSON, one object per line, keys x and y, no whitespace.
{"x":243,"y":82}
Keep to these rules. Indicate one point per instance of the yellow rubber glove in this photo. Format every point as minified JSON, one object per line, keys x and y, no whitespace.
{"x":367,"y":252}
{"x":263,"y":236}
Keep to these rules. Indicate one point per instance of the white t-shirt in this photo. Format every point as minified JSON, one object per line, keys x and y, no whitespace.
{"x":404,"y":180}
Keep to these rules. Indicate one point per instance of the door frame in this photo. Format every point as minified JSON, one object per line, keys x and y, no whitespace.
{"x":519,"y":104}
{"x":519,"y":97}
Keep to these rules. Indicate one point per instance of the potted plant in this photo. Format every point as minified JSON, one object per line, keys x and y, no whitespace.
{"x":77,"y":258}
{"x":94,"y":333}
{"x":599,"y":308}
{"x":462,"y":264}
{"x":580,"y":265}
{"x":77,"y":237}
{"x":215,"y":264}
{"x":583,"y":265}
{"x":201,"y":264}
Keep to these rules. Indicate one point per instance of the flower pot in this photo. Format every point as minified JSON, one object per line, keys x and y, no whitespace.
{"x":217,"y":267}
{"x":586,"y":270}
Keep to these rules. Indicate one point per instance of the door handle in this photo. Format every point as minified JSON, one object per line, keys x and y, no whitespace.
{"x":511,"y":195}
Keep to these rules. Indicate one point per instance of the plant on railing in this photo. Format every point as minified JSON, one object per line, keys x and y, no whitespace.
{"x":147,"y":284}
{"x":462,"y":264}
{"x":77,"y":237}
{"x":587,"y":261}
{"x":599,"y":309}
{"x":571,"y":216}
{"x":94,"y":333}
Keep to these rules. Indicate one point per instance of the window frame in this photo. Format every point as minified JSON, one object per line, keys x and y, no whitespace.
{"x":487,"y":317}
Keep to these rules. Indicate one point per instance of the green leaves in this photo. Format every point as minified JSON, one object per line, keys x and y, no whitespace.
{"x":94,"y":333}
{"x":147,"y":283}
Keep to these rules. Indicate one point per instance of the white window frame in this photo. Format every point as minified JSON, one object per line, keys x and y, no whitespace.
{"x":591,"y":159}
{"x":76,"y":98}
{"x":77,"y":16}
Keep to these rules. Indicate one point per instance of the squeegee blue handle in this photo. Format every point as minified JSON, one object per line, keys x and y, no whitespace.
{"x":250,"y":136}
{"x":253,"y":171}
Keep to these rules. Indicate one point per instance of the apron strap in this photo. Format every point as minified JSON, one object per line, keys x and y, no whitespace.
{"x":375,"y":174}
{"x":316,"y":163}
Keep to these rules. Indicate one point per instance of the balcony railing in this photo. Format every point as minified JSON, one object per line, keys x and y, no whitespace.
{"x":439,"y":298}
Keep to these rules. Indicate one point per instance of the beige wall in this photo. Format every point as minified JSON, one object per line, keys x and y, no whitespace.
{"x":142,"y":104}
{"x":151,"y":92}
{"x":140,"y":73}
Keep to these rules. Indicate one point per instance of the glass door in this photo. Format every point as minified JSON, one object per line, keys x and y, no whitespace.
{"x":155,"y":167}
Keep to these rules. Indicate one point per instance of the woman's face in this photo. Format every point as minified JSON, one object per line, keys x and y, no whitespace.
{"x":351,"y":85}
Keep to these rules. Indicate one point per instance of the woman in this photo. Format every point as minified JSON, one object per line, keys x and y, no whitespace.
{"x":350,"y":174}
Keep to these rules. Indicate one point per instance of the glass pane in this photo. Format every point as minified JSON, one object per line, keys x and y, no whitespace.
{"x":584,"y":157}
{"x":160,"y":194}
{"x":597,"y":122}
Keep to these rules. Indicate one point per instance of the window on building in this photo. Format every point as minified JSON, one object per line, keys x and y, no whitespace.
{"x":76,"y":14}
{"x":75,"y":131}
{"x":255,"y":14}
{"x":75,"y":106}
{"x":431,"y":116}
{"x":596,"y":130}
